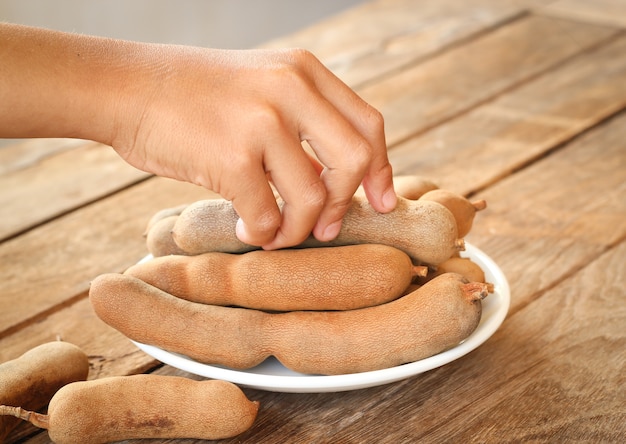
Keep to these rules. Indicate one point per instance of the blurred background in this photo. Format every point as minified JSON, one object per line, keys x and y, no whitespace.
{"x":215,"y":23}
{"x":231,"y":24}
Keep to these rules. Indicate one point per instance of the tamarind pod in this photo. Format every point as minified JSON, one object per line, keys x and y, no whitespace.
{"x":209,"y":225}
{"x":461,"y":265}
{"x":143,"y":406}
{"x":162,"y":214}
{"x":330,"y":278}
{"x":463,"y":210}
{"x":425,"y":230}
{"x":159,"y":239}
{"x":207,"y":333}
{"x":33,"y":378}
{"x":433,"y":318}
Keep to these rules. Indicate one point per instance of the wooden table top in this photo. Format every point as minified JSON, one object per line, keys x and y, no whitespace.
{"x":520,"y":103}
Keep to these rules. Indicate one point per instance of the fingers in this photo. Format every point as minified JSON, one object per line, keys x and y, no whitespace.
{"x":369,"y":124}
{"x":254,"y":202}
{"x":295,"y":176}
{"x":303,"y":193}
{"x":348,"y":137}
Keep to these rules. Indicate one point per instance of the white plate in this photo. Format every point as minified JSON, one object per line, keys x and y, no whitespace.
{"x":271,"y":375}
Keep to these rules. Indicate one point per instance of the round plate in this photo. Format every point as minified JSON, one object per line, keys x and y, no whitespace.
{"x":271,"y":375}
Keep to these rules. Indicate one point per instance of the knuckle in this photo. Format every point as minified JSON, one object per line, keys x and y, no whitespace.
{"x":315,"y":195}
{"x":267,"y":221}
{"x":375,"y":119}
{"x":361,"y":156}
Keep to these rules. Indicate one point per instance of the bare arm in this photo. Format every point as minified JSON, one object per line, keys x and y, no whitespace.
{"x":226,"y":120}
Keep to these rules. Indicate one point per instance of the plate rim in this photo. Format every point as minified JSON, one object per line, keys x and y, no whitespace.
{"x":301,"y":383}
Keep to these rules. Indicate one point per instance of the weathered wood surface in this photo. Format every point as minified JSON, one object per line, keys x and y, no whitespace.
{"x":381,"y":37}
{"x":539,"y":134}
{"x":422,"y":96}
{"x":608,"y":12}
{"x":45,"y":187}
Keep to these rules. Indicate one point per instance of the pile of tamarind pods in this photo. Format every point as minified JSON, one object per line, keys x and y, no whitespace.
{"x":390,"y":289}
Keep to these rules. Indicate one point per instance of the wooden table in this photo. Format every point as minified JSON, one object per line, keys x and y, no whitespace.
{"x":521,"y":103}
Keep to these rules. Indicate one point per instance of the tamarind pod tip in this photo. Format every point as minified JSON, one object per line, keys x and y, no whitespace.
{"x":419,"y":270}
{"x":479,"y":205}
{"x":476,"y":291}
{"x":36,"y":419}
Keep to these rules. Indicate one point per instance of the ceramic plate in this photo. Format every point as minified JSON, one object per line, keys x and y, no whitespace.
{"x":271,"y":375}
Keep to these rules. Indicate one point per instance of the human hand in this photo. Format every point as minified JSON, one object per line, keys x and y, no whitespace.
{"x":231,"y":120}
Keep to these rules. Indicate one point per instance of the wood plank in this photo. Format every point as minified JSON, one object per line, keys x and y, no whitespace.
{"x":421,"y":97}
{"x":377,"y":38}
{"x":54,"y":263}
{"x":502,"y":136}
{"x":21,"y":153}
{"x":602,"y":12}
{"x":47,"y":188}
{"x":553,"y":372}
{"x":551,"y":219}
{"x":110,"y":353}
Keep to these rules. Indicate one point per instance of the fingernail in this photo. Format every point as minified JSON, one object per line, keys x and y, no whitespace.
{"x":390,"y":199}
{"x":240,"y":231}
{"x":331,"y":231}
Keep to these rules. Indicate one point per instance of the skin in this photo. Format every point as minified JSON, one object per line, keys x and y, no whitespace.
{"x":230,"y":121}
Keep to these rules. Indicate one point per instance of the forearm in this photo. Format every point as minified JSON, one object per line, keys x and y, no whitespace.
{"x":55,"y":84}
{"x":222,"y":119}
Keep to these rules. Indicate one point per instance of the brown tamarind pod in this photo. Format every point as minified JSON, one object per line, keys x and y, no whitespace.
{"x":462,"y":209}
{"x":425,"y":230}
{"x":329,"y":278}
{"x":433,"y":318}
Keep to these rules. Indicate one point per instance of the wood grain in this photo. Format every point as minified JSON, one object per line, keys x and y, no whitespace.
{"x":551,"y":219}
{"x":539,"y":275}
{"x":410,"y":31}
{"x":423,"y":96}
{"x":53,"y":264}
{"x":502,"y":136}
{"x":47,"y":188}
{"x":27,"y":152}
{"x":607,"y":12}
{"x":378,"y":38}
{"x":525,"y":110}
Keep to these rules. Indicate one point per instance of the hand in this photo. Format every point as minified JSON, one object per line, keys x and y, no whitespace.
{"x":231,"y":120}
